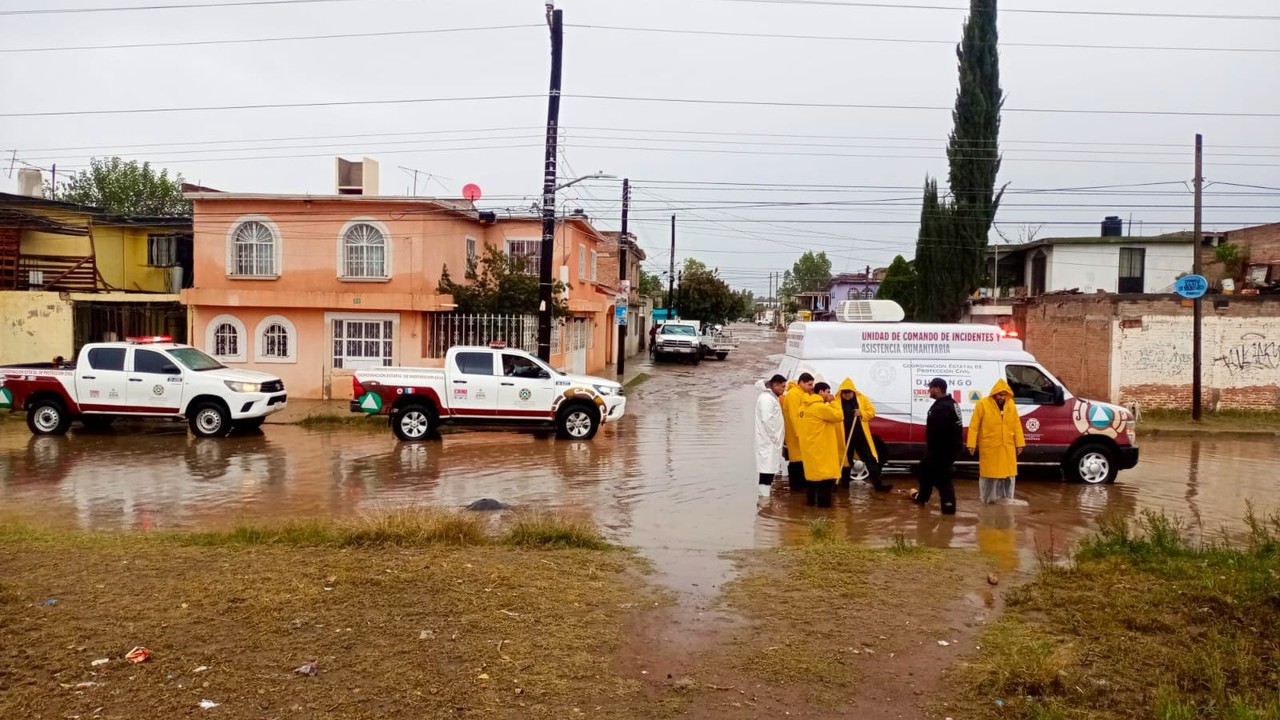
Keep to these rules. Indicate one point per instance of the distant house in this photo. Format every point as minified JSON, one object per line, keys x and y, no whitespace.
{"x":856,"y":286}
{"x":73,"y":274}
{"x":1113,"y":264}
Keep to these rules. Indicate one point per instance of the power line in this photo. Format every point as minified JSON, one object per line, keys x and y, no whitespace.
{"x":639,"y":99}
{"x":132,"y":8}
{"x":915,"y":41}
{"x":1029,"y":11}
{"x":288,"y":38}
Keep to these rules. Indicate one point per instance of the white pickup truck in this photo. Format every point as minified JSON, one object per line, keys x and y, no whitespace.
{"x":691,"y":340}
{"x":487,"y":386}
{"x":143,"y":378}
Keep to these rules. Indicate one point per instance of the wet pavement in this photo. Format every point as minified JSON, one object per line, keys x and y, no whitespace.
{"x":676,"y":479}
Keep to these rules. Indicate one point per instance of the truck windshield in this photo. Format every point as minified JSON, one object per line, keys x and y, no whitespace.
{"x":678,"y":330}
{"x":195,"y":360}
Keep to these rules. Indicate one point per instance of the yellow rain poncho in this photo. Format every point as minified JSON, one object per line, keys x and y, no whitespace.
{"x":820,"y":425}
{"x":868,"y":413}
{"x":997,"y":434}
{"x":792,"y":401}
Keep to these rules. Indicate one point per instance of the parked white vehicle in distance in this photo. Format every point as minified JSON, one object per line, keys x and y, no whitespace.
{"x":150,"y":377}
{"x":487,"y":386}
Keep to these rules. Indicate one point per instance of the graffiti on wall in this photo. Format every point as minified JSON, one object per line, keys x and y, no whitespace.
{"x":1253,"y":353}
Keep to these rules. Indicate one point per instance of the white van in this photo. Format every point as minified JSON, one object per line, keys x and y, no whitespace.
{"x":893,"y":362}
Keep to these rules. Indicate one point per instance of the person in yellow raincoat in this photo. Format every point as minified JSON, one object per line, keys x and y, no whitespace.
{"x":856,"y":441}
{"x":820,"y":423}
{"x":995,"y":433}
{"x":792,"y":401}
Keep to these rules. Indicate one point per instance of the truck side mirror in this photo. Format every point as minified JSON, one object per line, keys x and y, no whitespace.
{"x":170,"y":369}
{"x":1059,"y":395}
{"x":544,"y":375}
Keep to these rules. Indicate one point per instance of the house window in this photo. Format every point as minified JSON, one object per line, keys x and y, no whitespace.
{"x":530,"y":251}
{"x":254,"y":250}
{"x":363,"y":343}
{"x":364,"y":252}
{"x":225,"y":338}
{"x":277,"y":340}
{"x":162,"y":250}
{"x":595,"y":265}
{"x":471,"y":250}
{"x":1039,"y":272}
{"x":582,"y":263}
{"x":1133,"y":262}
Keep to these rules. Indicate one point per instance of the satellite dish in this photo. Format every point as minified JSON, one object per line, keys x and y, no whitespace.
{"x":471,"y":192}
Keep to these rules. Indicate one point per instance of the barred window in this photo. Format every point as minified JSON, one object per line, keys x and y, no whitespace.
{"x":226,"y":340}
{"x":363,"y":343}
{"x":254,"y":250}
{"x":364,"y":252}
{"x":275,"y":341}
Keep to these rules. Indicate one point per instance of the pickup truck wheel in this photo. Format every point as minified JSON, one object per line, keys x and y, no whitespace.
{"x":721,"y":355}
{"x":48,"y":417}
{"x":210,"y":420}
{"x":697,"y":358}
{"x":412,"y":423}
{"x":1092,"y":464}
{"x":578,"y":422}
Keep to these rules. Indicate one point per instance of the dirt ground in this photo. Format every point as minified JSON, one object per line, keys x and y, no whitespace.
{"x":816,"y":631}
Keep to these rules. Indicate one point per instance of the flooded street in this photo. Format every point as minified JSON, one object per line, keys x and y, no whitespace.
{"x":675,"y":478}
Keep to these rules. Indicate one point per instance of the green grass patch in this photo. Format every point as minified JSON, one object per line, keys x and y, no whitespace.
{"x":328,"y":420}
{"x":404,"y":527}
{"x":540,"y":529}
{"x":639,"y":378}
{"x":1246,"y":421}
{"x":1145,"y":623}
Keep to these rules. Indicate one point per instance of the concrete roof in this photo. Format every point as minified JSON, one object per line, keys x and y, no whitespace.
{"x":1178,"y":238}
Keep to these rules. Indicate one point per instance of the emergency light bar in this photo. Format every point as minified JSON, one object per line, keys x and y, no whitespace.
{"x":498,"y":345}
{"x":148,"y":339}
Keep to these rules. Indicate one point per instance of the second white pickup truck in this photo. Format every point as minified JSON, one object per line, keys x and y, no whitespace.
{"x":487,"y":386}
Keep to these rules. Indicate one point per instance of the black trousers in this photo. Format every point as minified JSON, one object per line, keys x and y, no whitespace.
{"x":795,"y":476}
{"x":937,"y":474}
{"x":766,"y":478}
{"x":875,"y":470}
{"x":819,"y":492}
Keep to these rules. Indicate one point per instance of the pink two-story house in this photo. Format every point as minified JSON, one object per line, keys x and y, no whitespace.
{"x":311,"y":287}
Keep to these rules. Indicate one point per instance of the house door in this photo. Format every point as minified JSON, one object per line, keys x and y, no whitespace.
{"x":1133,"y":270}
{"x":1039,"y":269}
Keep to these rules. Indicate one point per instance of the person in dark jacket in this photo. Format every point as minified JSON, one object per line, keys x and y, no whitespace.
{"x":943,"y":437}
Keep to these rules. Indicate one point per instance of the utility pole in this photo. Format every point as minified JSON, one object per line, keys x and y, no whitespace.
{"x":546,"y":264}
{"x":622,"y":276}
{"x":671,"y":269}
{"x":1198,"y":311}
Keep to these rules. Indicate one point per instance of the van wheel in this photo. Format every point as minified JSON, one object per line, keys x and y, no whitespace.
{"x":1092,"y":464}
{"x":578,"y":422}
{"x":48,"y":417}
{"x":413,"y":422}
{"x":721,"y":355}
{"x":210,"y":420}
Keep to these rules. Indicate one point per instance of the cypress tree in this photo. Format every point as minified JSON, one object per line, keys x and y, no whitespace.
{"x":953,"y":232}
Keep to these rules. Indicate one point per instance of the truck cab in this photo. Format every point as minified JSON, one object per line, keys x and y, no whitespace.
{"x":149,"y":377}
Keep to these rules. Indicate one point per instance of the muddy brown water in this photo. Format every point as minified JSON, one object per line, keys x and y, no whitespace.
{"x":675,"y":478}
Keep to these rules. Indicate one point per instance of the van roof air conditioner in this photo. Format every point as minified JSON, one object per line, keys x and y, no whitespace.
{"x":865,"y":311}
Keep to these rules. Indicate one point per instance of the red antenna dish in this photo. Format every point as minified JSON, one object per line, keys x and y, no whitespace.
{"x":471,"y":192}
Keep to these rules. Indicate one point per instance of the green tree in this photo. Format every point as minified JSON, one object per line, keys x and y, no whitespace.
{"x":940,"y":290}
{"x":125,"y":188}
{"x":812,"y":272}
{"x":704,"y":296}
{"x":650,"y":286}
{"x":499,"y":284}
{"x":951,"y":263}
{"x":899,"y":285}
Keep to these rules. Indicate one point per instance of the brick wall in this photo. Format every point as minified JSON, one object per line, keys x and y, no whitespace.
{"x":1071,"y":336}
{"x":1262,"y":241}
{"x":1138,"y":348}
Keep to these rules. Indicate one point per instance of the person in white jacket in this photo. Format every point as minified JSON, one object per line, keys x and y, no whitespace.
{"x":769,"y":430}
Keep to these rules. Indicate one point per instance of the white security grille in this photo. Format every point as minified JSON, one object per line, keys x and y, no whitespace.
{"x":364,"y":253}
{"x":255,"y":250}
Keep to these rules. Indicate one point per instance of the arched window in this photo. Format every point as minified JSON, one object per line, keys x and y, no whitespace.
{"x":364,"y":252}
{"x":254,"y":250}
{"x":277,"y":340}
{"x":225,"y":338}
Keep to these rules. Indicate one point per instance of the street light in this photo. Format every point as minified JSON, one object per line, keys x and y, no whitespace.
{"x":546,"y":265}
{"x":593,"y":176}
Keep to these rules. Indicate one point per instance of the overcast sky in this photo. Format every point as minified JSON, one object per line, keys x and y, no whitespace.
{"x":708,"y":163}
